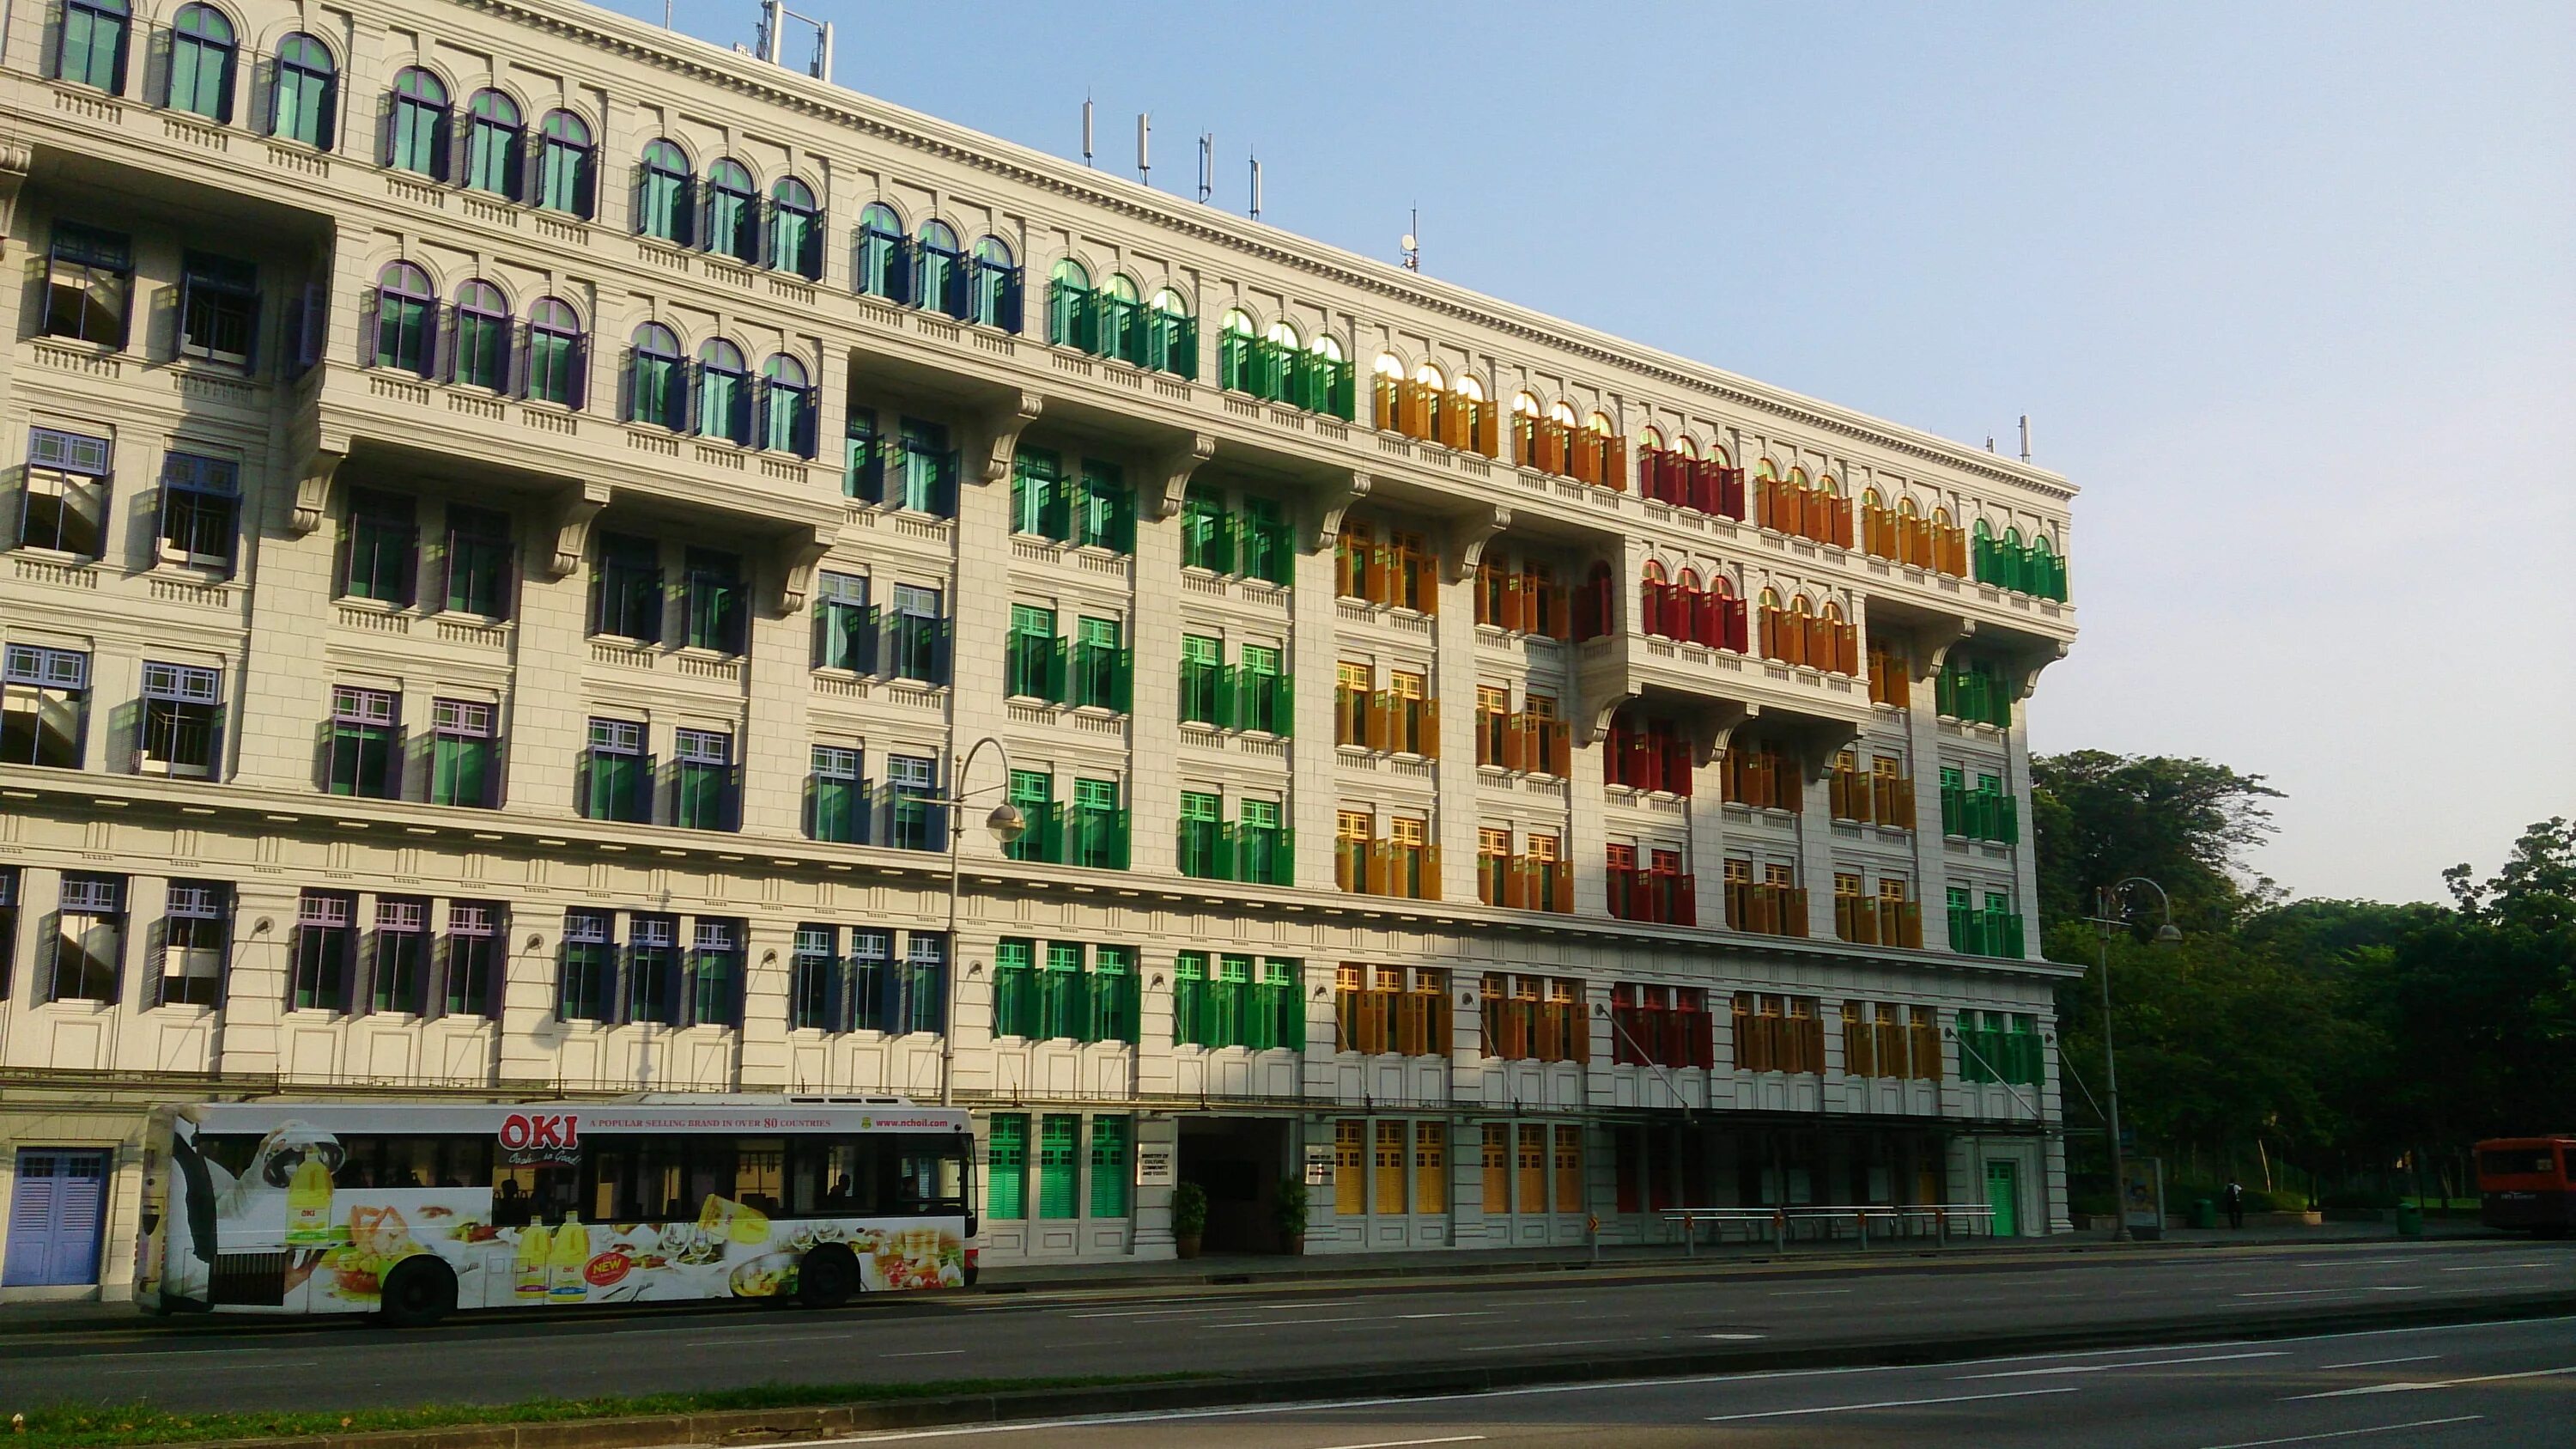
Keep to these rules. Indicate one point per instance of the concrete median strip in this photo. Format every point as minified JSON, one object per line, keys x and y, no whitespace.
{"x":755,"y":1426}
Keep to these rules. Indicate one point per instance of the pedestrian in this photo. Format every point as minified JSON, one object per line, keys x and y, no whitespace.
{"x":2235,"y":1199}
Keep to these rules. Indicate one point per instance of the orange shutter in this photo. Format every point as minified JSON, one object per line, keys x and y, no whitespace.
{"x":1488,"y":423}
{"x":1373,"y":575}
{"x":1384,"y":390}
{"x":1614,"y":463}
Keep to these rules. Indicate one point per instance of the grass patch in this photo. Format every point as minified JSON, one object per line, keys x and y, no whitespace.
{"x":97,"y":1426}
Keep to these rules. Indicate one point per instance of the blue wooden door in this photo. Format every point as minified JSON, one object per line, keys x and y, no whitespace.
{"x":57,"y":1213}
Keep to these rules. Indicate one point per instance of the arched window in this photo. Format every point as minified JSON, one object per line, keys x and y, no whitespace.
{"x":1869,"y":498}
{"x":1653,"y":600}
{"x":941,"y":268}
{"x":201,"y":63}
{"x":997,"y":285}
{"x":567,"y":172}
{"x":492,"y":134}
{"x":482,"y":353}
{"x":1328,"y":349}
{"x":724,"y":392}
{"x":1599,"y":425}
{"x":1651,"y":438}
{"x":90,"y":50}
{"x":795,"y":229}
{"x":416,"y":124}
{"x":1592,"y":607}
{"x":1283,"y":334}
{"x":1073,"y":310}
{"x":733,"y":211}
{"x":303,"y":106}
{"x":786,"y":407}
{"x":665,"y":194}
{"x":1685,"y":446}
{"x":1689,"y":610}
{"x":1905,"y":508}
{"x":1834,"y":645}
{"x":406,"y":319}
{"x":557,"y":353}
{"x":1171,"y":335}
{"x":1122,"y":320}
{"x":658,"y":381}
{"x":881,"y":252}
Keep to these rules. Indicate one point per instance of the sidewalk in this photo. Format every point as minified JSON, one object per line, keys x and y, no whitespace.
{"x":1658,"y":1260}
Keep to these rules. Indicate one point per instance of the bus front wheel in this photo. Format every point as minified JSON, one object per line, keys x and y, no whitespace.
{"x":418,"y":1293}
{"x":827,"y":1277}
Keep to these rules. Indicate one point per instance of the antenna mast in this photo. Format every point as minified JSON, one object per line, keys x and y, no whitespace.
{"x":1256,"y":188}
{"x":1144,"y":162}
{"x":1086,"y":130}
{"x":1413,"y":243}
{"x":1207,"y":166}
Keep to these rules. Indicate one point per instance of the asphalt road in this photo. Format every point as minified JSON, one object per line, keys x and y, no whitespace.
{"x":2487,"y":1385}
{"x":501,"y":1357}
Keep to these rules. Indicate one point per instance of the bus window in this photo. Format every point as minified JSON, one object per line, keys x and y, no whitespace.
{"x":929,"y":1178}
{"x":760,"y":1174}
{"x":833,"y":1177}
{"x":535,"y":1191}
{"x":414,"y":1162}
{"x":2518,"y":1161}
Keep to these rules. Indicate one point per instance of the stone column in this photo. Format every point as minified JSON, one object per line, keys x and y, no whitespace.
{"x":1312,"y":789}
{"x":1453,"y":684}
{"x":761,"y":1039}
{"x":1154,"y":726}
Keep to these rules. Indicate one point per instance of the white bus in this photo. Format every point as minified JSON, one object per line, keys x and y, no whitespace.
{"x":410,"y":1209}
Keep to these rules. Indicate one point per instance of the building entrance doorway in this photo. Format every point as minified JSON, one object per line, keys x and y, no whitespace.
{"x":1237,"y":1162}
{"x":2003,"y":1194}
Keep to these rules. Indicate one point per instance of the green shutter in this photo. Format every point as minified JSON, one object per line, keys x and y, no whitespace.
{"x":1006,"y":1181}
{"x":1189,"y":992}
{"x":1058,"y":1167}
{"x":1109,"y":1167}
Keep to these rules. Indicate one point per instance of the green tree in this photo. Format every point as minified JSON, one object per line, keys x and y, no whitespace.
{"x":2184,"y":823}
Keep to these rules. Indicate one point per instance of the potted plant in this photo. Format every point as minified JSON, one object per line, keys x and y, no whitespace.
{"x":1291,"y":1215}
{"x":1189,"y":1218}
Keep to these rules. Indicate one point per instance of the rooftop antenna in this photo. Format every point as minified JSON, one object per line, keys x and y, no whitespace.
{"x":1256,"y":187}
{"x":1086,"y":130}
{"x":1144,"y":161}
{"x":2025,"y":437}
{"x":772,"y":45}
{"x":1412,"y":245}
{"x":666,"y":14}
{"x":1990,"y":442}
{"x":1207,"y":166}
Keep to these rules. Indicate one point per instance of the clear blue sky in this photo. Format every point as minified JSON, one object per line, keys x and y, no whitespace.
{"x":2288,"y":290}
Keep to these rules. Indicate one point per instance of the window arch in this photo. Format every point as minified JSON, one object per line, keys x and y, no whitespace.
{"x":1471,"y":389}
{"x":1171,"y":334}
{"x":1525,"y":405}
{"x":557,"y":353}
{"x":567,"y":167}
{"x":202,"y":55}
{"x":1905,"y":508}
{"x":1869,"y":498}
{"x":786,"y":407}
{"x":665,"y":194}
{"x":733,"y":211}
{"x":406,"y":319}
{"x":482,"y":350}
{"x":1284,"y":333}
{"x":1686,"y":445}
{"x":90,"y":48}
{"x":1559,"y":412}
{"x":1073,"y":308}
{"x":1389,"y":366}
{"x":1327,"y":348}
{"x":492,"y":135}
{"x":1238,"y":322}
{"x":997,"y":285}
{"x":416,"y":124}
{"x":1429,"y":375}
{"x":1653,"y":437}
{"x":302,"y":107}
{"x":658,"y":380}
{"x":881,"y":248}
{"x":724,"y":392}
{"x":795,"y":229}
{"x":940,"y":264}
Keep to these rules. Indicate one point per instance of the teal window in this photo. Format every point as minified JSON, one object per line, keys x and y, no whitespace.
{"x":940,"y":266}
{"x":90,"y":49}
{"x":1171,"y":336}
{"x":845,"y":627}
{"x":567,"y":166}
{"x":838,"y":808}
{"x":929,"y":476}
{"x":715,"y":974}
{"x":492,"y":142}
{"x":919,"y":638}
{"x":712,"y":592}
{"x":786,"y":407}
{"x":915,"y":820}
{"x":1006,"y":1191}
{"x":617,"y":776}
{"x":416,"y":128}
{"x":626,"y":589}
{"x":481,"y":353}
{"x":1121,"y":333}
{"x":302,"y":106}
{"x":1207,"y":531}
{"x":383,"y":534}
{"x":657,"y":379}
{"x":795,"y":229}
{"x":1203,"y":689}
{"x":666,"y":194}
{"x":653,"y":970}
{"x":406,"y":319}
{"x":202,"y":52}
{"x":1104,"y":509}
{"x":1262,"y":854}
{"x":1033,"y":793}
{"x":1114,"y":1002}
{"x":1262,"y":538}
{"x":724,"y":393}
{"x":733,"y":212}
{"x":884,"y":270}
{"x":558,"y":354}
{"x":1202,"y":842}
{"x":702,"y":784}
{"x":1102,"y":676}
{"x":589,"y":967}
{"x":1062,"y":1007}
{"x":1099,"y":826}
{"x":996,"y":285}
{"x":863,"y":462}
{"x":1110,"y":1171}
{"x":1073,"y":309}
{"x":1015,"y":988}
{"x":1262,"y":694}
{"x":362,"y":758}
{"x":1038,"y":499}
{"x":810,"y":972}
{"x":1033,"y":667}
{"x":1058,"y":1165}
{"x":462,"y":738}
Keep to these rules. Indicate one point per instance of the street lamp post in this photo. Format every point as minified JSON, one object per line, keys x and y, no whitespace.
{"x":2104,"y":899}
{"x":1007,"y":825}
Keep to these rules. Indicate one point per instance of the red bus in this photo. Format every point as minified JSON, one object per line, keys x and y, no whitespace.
{"x":2528,"y":1184}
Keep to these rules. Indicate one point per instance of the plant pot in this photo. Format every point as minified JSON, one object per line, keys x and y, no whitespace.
{"x":1292,"y":1244}
{"x":1185,"y":1245}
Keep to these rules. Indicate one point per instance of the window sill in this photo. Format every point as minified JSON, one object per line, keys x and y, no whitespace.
{"x":80,"y":344}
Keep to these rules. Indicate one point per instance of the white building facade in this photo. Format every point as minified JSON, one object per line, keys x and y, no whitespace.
{"x":523,"y":517}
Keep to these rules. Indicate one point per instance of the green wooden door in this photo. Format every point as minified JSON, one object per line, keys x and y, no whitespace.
{"x":2003,"y":1194}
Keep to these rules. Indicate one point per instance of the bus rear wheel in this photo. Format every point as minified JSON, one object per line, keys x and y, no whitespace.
{"x":827,"y":1277}
{"x":418,"y":1293}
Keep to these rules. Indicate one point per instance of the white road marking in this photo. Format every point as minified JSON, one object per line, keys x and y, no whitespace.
{"x":1282,"y":1322}
{"x":1733,"y":1337}
{"x":2347,"y":1433}
{"x":1401,"y":1443}
{"x":1479,"y":1313}
{"x":1215,"y":1308}
{"x":928,"y":1353}
{"x":2494,"y":1267}
{"x":2103,"y":1368}
{"x":1555,"y":1343}
{"x":2412,"y":1386}
{"x":106,"y":1373}
{"x":1885,"y":1404}
{"x":1808,"y":1292}
{"x":2375,"y":1362}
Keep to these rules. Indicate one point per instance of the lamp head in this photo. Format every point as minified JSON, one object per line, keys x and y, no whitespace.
{"x":1007,"y":823}
{"x":2168,"y":933}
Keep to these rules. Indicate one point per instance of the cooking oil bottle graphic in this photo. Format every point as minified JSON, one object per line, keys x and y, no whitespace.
{"x":308,"y":1205}
{"x":571,"y":1256}
{"x":530,"y":1278}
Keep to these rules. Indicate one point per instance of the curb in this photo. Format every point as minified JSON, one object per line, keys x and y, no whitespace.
{"x":754,"y":1426}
